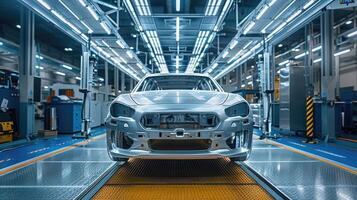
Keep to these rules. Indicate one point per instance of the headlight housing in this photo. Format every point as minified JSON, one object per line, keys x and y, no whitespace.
{"x":240,"y":109}
{"x":120,"y":110}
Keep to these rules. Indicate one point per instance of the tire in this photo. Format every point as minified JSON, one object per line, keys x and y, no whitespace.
{"x":120,"y":159}
{"x":240,"y":159}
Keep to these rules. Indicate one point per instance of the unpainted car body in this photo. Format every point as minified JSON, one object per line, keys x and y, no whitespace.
{"x":203,"y":122}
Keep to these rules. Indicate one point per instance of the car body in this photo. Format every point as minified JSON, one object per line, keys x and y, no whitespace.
{"x":179,"y":116}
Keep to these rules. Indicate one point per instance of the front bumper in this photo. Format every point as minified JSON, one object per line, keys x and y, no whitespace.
{"x":140,"y":147}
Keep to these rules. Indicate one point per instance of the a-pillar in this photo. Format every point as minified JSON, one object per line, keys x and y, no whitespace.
{"x":328,"y":76}
{"x":26,"y":70}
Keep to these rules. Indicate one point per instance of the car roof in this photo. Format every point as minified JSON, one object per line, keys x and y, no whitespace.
{"x":177,"y":74}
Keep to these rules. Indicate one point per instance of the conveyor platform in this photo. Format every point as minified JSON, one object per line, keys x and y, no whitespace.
{"x":181,"y":179}
{"x":84,"y":171}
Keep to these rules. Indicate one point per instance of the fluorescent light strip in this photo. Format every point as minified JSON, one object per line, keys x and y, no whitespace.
{"x":352,"y":34}
{"x":130,"y":54}
{"x":44,"y":4}
{"x":84,"y":24}
{"x":262,"y":11}
{"x":212,"y":7}
{"x":308,"y":4}
{"x":225,"y":54}
{"x":60,"y":73}
{"x":93,"y":13}
{"x":78,"y":78}
{"x":301,"y":55}
{"x":234,"y":43}
{"x":178,"y":6}
{"x":317,"y":60}
{"x":67,"y":67}
{"x":120,"y":43}
{"x":316,"y":48}
{"x":249,"y":26}
{"x":293,"y":16}
{"x":105,"y":27}
{"x":177,"y":29}
{"x":82,"y":3}
{"x":284,"y":62}
{"x":177,"y":62}
{"x":271,"y":3}
{"x":342,"y":52}
{"x":247,"y":45}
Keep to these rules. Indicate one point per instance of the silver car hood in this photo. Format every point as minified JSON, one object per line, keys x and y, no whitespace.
{"x":179,"y":97}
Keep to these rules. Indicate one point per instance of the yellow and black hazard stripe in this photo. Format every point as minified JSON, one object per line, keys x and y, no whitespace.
{"x":309,"y":117}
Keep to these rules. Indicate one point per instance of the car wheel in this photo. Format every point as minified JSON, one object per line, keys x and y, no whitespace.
{"x":240,"y":159}
{"x":120,"y":159}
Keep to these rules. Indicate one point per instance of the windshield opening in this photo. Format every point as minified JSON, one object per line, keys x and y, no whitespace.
{"x":173,"y":82}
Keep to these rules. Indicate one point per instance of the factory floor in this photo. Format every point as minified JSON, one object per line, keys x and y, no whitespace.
{"x":71,"y":171}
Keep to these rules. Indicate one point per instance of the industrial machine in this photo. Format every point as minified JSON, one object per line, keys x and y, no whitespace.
{"x":257,"y":114}
{"x":9,"y":105}
{"x":292,"y":100}
{"x":67,"y":112}
{"x":6,"y":131}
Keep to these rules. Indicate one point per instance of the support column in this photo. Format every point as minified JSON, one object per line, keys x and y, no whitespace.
{"x":116,"y":81}
{"x":266,"y":85}
{"x":106,"y":86}
{"x":328,"y":77}
{"x":86,"y":86}
{"x":122,"y":79}
{"x":131,"y":84}
{"x":26,"y":69}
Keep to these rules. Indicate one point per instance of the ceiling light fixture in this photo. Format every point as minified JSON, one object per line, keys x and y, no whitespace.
{"x":349,"y":22}
{"x":178,"y":6}
{"x":284,"y":62}
{"x":249,"y":26}
{"x":342,"y":52}
{"x":105,"y":27}
{"x":177,"y":29}
{"x":130,"y":54}
{"x":317,"y":60}
{"x":308,"y":4}
{"x":67,"y":67}
{"x":225,"y":54}
{"x":93,"y":13}
{"x":352,"y":34}
{"x":44,"y":4}
{"x":262,"y":11}
{"x":60,"y":73}
{"x":233,"y":44}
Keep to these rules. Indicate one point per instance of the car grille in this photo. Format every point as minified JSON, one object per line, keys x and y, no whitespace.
{"x":180,"y":144}
{"x":179,"y":120}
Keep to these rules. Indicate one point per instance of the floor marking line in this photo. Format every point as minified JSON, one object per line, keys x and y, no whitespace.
{"x":332,"y":154}
{"x":305,"y":186}
{"x":74,"y":161}
{"x":301,"y":145}
{"x":47,"y":155}
{"x":283,"y":161}
{"x":42,"y":186}
{"x":310,"y":155}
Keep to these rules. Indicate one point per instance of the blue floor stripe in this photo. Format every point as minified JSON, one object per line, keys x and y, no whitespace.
{"x":330,"y":151}
{"x":40,"y":147}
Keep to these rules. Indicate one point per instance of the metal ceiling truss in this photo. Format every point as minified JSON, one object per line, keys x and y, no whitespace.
{"x":82,"y":18}
{"x":274,"y":20}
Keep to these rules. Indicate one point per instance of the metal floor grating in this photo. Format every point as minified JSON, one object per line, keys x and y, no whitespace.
{"x":181,"y":179}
